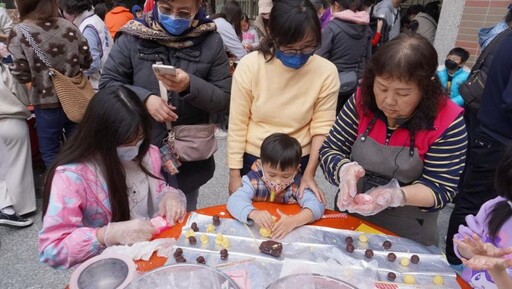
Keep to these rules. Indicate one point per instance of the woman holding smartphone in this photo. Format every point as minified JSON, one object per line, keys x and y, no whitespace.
{"x":175,"y":33}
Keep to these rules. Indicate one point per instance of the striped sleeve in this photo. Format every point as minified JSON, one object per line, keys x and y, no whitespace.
{"x":337,"y":148}
{"x":444,"y":163}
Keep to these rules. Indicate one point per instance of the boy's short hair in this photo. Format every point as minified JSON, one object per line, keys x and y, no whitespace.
{"x":280,"y":150}
{"x":460,"y":52}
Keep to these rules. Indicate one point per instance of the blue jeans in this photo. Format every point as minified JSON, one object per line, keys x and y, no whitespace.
{"x":50,"y":124}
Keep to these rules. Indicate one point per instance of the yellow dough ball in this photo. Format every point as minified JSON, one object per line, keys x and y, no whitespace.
{"x":225,"y":242}
{"x":409,"y":279}
{"x":204,"y":239}
{"x":363,"y":238}
{"x":438,"y":280}
{"x":190,"y":233}
{"x":210,"y":228}
{"x":265,"y":233}
{"x":405,"y":262}
{"x":219,"y":239}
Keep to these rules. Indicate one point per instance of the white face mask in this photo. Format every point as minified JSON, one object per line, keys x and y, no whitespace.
{"x":128,"y":153}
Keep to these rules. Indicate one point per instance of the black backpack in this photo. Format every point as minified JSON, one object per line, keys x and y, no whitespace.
{"x":472,"y":89}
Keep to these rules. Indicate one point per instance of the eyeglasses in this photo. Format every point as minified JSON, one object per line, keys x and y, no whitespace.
{"x":305,"y":50}
{"x":182,"y":13}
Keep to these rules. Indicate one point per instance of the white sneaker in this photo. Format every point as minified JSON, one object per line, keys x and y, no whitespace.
{"x":220,"y":134}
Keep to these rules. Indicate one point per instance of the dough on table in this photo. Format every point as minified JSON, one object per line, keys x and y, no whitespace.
{"x":265,"y":233}
{"x":210,"y":228}
{"x":405,"y":262}
{"x":409,"y":279}
{"x":363,"y":238}
{"x":438,"y":280}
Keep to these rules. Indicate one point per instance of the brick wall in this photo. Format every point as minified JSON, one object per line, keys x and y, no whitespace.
{"x":478,"y":14}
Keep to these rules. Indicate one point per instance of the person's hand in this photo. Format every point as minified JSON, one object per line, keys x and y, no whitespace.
{"x":173,"y":206}
{"x":284,"y":226}
{"x":308,"y":182}
{"x":179,"y":82}
{"x":160,"y":110}
{"x":377,"y":199}
{"x":349,"y":174}
{"x":262,"y":218}
{"x":473,"y":245}
{"x":479,"y":262}
{"x":235,"y":181}
{"x":128,"y":232}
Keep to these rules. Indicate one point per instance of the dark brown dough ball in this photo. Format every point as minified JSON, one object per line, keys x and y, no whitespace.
{"x":391,"y":257}
{"x":178,"y":253}
{"x":224,"y":254}
{"x":181,"y":259}
{"x":349,"y":240}
{"x":368,"y":253}
{"x":216,"y":220}
{"x":391,"y":276}
{"x":192,"y":240}
{"x":387,"y":245}
{"x":415,"y":259}
{"x":350,"y":248}
{"x":200,"y":260}
{"x":272,"y":248}
{"x":194,"y":227}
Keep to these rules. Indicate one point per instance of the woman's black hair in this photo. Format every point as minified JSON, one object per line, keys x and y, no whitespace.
{"x":290,"y":22}
{"x":115,"y":116}
{"x":407,"y":57}
{"x":75,"y":7}
{"x":354,"y":5}
{"x":502,"y":211}
{"x":232,"y":12}
{"x":281,"y":151}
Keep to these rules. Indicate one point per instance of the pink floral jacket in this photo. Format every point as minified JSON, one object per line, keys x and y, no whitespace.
{"x":78,"y":207}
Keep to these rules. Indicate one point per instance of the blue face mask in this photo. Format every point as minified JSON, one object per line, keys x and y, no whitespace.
{"x":293,"y":61}
{"x":174,"y":25}
{"x":128,"y":153}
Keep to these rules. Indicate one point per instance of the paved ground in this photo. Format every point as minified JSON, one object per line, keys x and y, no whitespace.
{"x":20,"y":268}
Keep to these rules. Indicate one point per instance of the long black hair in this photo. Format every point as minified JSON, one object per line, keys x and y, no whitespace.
{"x":232,"y":12}
{"x":290,"y":22}
{"x":502,"y":211}
{"x":115,"y":116}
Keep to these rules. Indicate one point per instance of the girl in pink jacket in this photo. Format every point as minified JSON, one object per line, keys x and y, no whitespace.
{"x":105,"y":184}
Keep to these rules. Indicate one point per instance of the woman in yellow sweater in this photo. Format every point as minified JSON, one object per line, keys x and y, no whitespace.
{"x":283,"y":88}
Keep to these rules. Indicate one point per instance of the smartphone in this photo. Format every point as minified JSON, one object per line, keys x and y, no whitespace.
{"x":164,"y":69}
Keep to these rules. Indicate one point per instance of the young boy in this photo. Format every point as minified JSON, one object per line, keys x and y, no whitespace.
{"x":453,"y":73}
{"x":275,"y":178}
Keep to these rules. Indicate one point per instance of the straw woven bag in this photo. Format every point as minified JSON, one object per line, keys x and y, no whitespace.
{"x":74,"y":93}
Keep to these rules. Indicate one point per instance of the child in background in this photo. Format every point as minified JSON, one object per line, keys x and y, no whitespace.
{"x":484,"y":244}
{"x":250,"y":38}
{"x":453,"y":73}
{"x":105,"y":184}
{"x":275,"y":178}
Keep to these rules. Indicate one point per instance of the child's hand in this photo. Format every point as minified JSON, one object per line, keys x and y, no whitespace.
{"x":263,"y":218}
{"x":475,"y":246}
{"x":479,"y":262}
{"x":283,"y":226}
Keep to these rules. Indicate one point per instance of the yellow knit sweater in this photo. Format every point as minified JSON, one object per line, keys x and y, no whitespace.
{"x":268,"y":97}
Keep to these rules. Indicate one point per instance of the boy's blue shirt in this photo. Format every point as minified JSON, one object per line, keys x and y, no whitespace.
{"x":254,"y":189}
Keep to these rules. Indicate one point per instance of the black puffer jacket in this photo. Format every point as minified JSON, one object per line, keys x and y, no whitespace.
{"x":347,"y":45}
{"x":130,"y":62}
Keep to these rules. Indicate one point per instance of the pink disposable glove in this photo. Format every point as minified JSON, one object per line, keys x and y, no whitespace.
{"x":128,"y":232}
{"x":377,"y":199}
{"x":173,"y":206}
{"x":349,"y":175}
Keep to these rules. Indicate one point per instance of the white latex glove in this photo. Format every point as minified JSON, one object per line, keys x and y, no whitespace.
{"x":173,"y":206}
{"x":128,"y":232}
{"x":349,"y":175}
{"x":378,"y":199}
